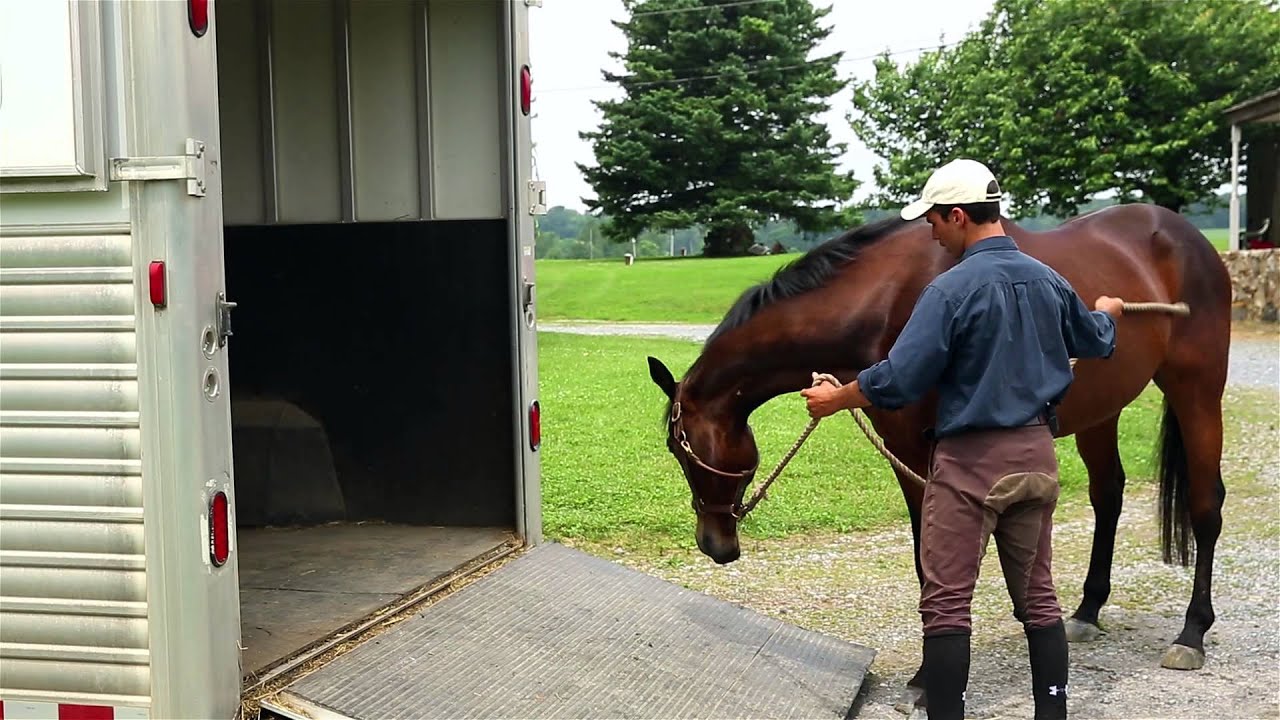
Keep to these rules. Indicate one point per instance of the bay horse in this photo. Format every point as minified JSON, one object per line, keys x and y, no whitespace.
{"x":838,"y":309}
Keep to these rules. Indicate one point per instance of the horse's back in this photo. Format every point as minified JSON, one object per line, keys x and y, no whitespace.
{"x":1141,"y":253}
{"x":1137,"y":252}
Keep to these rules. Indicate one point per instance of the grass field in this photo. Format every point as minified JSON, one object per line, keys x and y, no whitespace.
{"x":608,"y":480}
{"x":1218,"y":236}
{"x":693,"y":290}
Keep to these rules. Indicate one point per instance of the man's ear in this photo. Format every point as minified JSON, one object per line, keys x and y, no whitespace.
{"x":662,"y":377}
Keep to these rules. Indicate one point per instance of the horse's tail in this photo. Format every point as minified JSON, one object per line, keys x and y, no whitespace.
{"x":1175,"y":512}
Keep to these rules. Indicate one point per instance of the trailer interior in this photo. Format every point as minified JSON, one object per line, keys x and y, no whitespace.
{"x":369,"y":254}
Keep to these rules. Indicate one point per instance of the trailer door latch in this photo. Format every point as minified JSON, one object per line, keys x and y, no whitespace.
{"x":223,"y":322}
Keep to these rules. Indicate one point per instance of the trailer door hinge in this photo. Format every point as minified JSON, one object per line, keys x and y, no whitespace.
{"x":537,"y":197}
{"x":533,"y":3}
{"x":189,"y":167}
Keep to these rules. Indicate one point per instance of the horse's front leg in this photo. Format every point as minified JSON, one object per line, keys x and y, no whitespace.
{"x":913,"y":695}
{"x":1101,"y":455}
{"x":903,"y":438}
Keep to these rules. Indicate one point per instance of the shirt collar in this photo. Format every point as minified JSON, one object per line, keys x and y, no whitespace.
{"x":995,"y":242}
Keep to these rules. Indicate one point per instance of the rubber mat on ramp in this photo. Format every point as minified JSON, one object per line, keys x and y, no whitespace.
{"x":558,"y":633}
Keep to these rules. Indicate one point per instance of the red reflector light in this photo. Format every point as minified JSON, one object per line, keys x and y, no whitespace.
{"x":156,"y":275}
{"x":219,"y":529}
{"x":81,"y":712}
{"x":535,"y":425}
{"x":526,"y":89}
{"x":198,"y":16}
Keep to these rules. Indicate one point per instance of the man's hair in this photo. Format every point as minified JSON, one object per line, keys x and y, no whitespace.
{"x":980,"y":213}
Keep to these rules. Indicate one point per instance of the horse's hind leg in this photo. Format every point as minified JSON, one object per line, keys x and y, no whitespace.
{"x":1191,"y":493}
{"x":1097,"y":447}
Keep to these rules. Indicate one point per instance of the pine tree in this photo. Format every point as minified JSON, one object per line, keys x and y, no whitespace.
{"x":718,"y":125}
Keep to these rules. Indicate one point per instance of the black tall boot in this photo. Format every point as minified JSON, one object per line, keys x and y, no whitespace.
{"x":946,"y":675}
{"x":1047,"y":647}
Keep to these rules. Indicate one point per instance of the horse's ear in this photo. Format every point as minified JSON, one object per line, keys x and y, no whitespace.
{"x":662,"y":376}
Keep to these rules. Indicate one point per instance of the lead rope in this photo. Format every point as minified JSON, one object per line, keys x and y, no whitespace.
{"x":1180,"y":309}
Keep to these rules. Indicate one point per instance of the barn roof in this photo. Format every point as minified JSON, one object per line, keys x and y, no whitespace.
{"x":1264,"y":108}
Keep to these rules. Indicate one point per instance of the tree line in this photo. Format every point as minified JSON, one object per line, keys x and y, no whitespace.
{"x":566,"y":234}
{"x":715,"y":144}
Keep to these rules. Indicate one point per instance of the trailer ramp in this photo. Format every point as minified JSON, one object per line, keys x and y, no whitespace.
{"x":558,"y":633}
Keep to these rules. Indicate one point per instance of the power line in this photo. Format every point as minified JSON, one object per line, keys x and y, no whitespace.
{"x":749,"y":71}
{"x":701,"y":8}
{"x":627,"y":83}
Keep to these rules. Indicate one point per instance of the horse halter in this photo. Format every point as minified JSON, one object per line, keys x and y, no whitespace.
{"x":736,"y":509}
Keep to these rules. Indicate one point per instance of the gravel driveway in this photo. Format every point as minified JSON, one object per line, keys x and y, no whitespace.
{"x":862,"y":586}
{"x":1255,"y":360}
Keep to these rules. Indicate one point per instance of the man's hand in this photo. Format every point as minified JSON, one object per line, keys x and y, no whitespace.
{"x":1109,"y":305}
{"x":823,"y":400}
{"x":826,"y":399}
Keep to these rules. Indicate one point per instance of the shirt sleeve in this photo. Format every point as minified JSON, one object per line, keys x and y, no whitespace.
{"x":1088,"y":333}
{"x":917,"y":357}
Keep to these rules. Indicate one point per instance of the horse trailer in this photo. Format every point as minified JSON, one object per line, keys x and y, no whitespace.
{"x":300,"y":227}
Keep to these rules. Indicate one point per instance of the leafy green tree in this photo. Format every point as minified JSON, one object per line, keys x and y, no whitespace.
{"x":562,"y":221}
{"x":718,"y":125}
{"x":546,"y":244}
{"x":1069,"y":98}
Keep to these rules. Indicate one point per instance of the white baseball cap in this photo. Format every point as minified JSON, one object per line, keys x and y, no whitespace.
{"x":959,"y":182}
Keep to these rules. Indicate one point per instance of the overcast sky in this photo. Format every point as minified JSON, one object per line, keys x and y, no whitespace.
{"x":570,"y":41}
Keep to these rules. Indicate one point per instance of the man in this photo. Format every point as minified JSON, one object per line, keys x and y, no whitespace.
{"x":994,"y":335}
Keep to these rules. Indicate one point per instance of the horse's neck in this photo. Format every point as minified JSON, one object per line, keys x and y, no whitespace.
{"x":743,"y":370}
{"x":741,"y":386}
{"x":840,"y":329}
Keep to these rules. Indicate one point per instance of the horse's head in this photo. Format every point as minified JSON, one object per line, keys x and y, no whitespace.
{"x":718,"y":456}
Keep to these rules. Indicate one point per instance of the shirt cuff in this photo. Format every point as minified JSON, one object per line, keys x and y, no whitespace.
{"x":1111,"y":340}
{"x":874,"y":381}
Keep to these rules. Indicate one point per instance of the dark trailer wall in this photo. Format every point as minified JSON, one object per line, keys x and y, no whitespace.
{"x":367,"y":247}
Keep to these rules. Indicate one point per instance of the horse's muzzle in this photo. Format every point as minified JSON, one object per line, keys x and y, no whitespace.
{"x":716,"y":542}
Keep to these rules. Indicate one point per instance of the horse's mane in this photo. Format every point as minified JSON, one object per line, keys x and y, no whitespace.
{"x":807,"y":272}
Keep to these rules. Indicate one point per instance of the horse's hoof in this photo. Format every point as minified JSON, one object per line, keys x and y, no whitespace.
{"x":909,"y":701}
{"x":1079,"y":631}
{"x":1181,"y":657}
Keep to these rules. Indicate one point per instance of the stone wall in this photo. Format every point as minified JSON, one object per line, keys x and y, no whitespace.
{"x":1255,"y":284}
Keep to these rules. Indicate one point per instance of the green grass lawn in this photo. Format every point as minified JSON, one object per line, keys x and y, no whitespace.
{"x":692,"y":290}
{"x":608,"y":480}
{"x":1218,"y":236}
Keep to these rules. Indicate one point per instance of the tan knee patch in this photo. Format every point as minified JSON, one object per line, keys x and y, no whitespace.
{"x":1029,"y":487}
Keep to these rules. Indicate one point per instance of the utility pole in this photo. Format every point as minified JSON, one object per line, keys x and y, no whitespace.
{"x":591,"y":242}
{"x":671,"y":252}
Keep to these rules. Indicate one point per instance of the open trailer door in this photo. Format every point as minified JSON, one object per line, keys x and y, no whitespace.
{"x":118,"y":593}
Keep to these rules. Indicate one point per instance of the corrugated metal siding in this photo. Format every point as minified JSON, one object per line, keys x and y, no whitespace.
{"x":73,"y":613}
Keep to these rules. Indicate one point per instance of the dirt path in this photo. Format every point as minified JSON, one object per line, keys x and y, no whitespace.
{"x":862,"y":587}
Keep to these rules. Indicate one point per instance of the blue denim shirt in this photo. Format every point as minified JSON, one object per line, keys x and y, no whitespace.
{"x":994,"y":334}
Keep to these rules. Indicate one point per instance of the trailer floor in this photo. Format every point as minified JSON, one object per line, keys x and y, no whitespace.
{"x":298,"y":585}
{"x":557,"y":633}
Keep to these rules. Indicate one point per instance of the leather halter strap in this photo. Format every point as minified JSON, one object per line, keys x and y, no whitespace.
{"x":681,"y":439}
